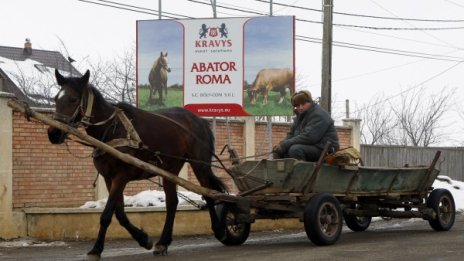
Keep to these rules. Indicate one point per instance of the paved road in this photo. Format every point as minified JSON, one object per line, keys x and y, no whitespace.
{"x":384,"y":240}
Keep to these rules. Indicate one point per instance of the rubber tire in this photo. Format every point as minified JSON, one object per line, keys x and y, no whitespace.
{"x":442,"y":202}
{"x":356,"y":223}
{"x":236,"y":234}
{"x":323,"y":219}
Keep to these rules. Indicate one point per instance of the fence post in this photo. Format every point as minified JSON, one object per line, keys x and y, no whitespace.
{"x":355,"y":125}
{"x":13,"y":224}
{"x":249,"y":136}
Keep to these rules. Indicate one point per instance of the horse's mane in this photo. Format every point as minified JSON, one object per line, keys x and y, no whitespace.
{"x":156,"y":63}
{"x":128,"y":108}
{"x":98,"y":95}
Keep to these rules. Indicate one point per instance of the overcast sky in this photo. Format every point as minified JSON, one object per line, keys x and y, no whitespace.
{"x":372,"y":55}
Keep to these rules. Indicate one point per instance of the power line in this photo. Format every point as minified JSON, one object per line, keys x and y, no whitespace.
{"x":402,"y":28}
{"x":407,"y":22}
{"x":368,"y":16}
{"x":132,"y":8}
{"x":383,"y":50}
{"x":341,"y":25}
{"x":401,"y":38}
{"x":409,"y":89}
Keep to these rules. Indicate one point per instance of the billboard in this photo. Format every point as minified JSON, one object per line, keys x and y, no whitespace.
{"x":217,"y":67}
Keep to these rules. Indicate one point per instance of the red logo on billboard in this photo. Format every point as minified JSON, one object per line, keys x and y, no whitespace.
{"x":213,"y":32}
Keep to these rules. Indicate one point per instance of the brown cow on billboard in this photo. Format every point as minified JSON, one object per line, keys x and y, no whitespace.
{"x":271,"y":79}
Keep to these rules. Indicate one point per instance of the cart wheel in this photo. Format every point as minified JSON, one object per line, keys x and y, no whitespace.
{"x":236,"y":233}
{"x":442,"y":202}
{"x":356,"y":223}
{"x":323,"y":219}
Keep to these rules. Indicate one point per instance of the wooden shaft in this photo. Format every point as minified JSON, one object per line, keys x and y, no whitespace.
{"x":21,"y":107}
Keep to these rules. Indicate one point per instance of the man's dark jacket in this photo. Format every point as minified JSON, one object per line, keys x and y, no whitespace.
{"x":312,"y":127}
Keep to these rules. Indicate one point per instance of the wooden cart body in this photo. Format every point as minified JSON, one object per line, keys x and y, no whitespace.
{"x":294,"y":176}
{"x":324,"y":197}
{"x":282,"y":188}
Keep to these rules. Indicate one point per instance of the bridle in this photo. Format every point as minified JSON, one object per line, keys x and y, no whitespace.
{"x":84,"y":110}
{"x":163,"y":64}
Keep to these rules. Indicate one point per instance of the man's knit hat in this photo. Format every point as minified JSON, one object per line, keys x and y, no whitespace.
{"x":301,"y":97}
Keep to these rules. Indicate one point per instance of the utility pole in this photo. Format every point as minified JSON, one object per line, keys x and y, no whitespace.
{"x":159,"y":10}
{"x":326,"y":85}
{"x":213,"y":5}
{"x":270,"y":8}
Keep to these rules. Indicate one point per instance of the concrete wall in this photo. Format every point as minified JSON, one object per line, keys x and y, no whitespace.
{"x":77,"y":224}
{"x":12,"y":222}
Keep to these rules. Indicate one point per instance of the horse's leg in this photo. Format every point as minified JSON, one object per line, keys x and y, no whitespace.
{"x":105,"y":220}
{"x":139,"y":235}
{"x":150,"y":98}
{"x":166,"y":90}
{"x":161,"y":247}
{"x":160,"y":92}
{"x":203,"y":172}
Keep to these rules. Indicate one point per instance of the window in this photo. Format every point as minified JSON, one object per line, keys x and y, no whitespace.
{"x":42,"y":68}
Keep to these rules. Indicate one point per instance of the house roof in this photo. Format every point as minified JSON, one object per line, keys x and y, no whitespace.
{"x":51,"y":59}
{"x":30,"y":60}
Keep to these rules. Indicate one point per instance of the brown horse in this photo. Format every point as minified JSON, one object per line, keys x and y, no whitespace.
{"x":154,"y":137}
{"x":158,"y":78}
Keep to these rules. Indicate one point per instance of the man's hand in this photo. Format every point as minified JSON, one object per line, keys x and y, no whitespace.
{"x":277,"y":149}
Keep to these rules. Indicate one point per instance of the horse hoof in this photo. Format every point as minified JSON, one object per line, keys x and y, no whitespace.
{"x":93,"y":258}
{"x":160,"y":250}
{"x":149,"y":244}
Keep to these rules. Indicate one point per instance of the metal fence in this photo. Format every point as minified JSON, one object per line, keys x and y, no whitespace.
{"x":451,"y":162}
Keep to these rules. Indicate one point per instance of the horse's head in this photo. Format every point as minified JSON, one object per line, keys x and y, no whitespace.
{"x":69,"y":103}
{"x":163,"y":61}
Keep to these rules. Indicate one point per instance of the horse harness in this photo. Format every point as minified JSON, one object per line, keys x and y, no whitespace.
{"x":132,"y":139}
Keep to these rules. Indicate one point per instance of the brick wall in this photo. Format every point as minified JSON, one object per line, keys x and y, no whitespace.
{"x":47,"y":175}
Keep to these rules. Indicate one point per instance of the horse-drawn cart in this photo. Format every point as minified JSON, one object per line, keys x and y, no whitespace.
{"x":318,"y":194}
{"x":323,"y":195}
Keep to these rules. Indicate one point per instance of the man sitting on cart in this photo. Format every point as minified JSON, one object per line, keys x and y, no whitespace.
{"x":311,"y":130}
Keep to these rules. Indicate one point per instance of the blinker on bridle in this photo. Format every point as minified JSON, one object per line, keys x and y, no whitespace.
{"x":79,"y":111}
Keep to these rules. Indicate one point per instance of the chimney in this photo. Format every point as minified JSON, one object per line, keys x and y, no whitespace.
{"x":27,"y":47}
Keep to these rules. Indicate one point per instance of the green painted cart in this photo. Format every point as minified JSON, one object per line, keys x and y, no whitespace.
{"x":322,"y":196}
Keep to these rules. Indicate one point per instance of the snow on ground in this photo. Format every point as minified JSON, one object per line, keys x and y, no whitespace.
{"x":149,"y":198}
{"x":455,"y":187}
{"x":28,"y":242}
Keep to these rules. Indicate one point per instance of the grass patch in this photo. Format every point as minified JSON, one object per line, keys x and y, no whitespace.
{"x":173,"y":99}
{"x":272,"y":108}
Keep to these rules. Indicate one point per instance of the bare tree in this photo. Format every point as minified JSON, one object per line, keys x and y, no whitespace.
{"x":116,"y":78}
{"x":37,"y":83}
{"x":419,"y":117}
{"x":378,"y":122}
